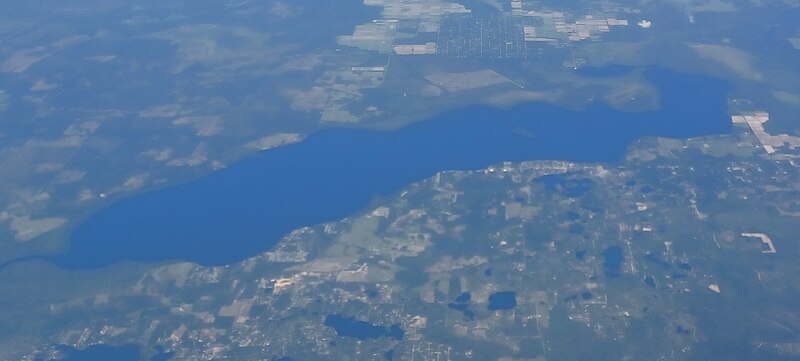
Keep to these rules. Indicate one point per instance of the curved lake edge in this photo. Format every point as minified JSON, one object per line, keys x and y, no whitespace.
{"x":160,"y":216}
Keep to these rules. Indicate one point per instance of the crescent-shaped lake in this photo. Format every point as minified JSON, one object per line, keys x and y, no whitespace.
{"x":246,"y":209}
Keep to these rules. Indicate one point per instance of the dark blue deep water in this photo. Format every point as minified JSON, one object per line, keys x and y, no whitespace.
{"x":612,"y":261}
{"x":464,"y":297}
{"x":504,"y":300}
{"x":244,"y":210}
{"x":362,"y":330}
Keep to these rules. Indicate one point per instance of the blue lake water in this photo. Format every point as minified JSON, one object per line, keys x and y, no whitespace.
{"x":463,"y":298}
{"x":462,"y":304}
{"x":612,"y":261}
{"x":245,"y":209}
{"x":504,"y":300}
{"x":362,"y":330}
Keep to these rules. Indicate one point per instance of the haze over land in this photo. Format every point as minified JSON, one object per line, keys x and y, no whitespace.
{"x":597,"y":240}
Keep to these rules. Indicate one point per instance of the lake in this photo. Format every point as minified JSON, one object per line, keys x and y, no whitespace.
{"x":612,"y":261}
{"x":362,"y":330}
{"x":246,"y":209}
{"x":504,"y":300}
